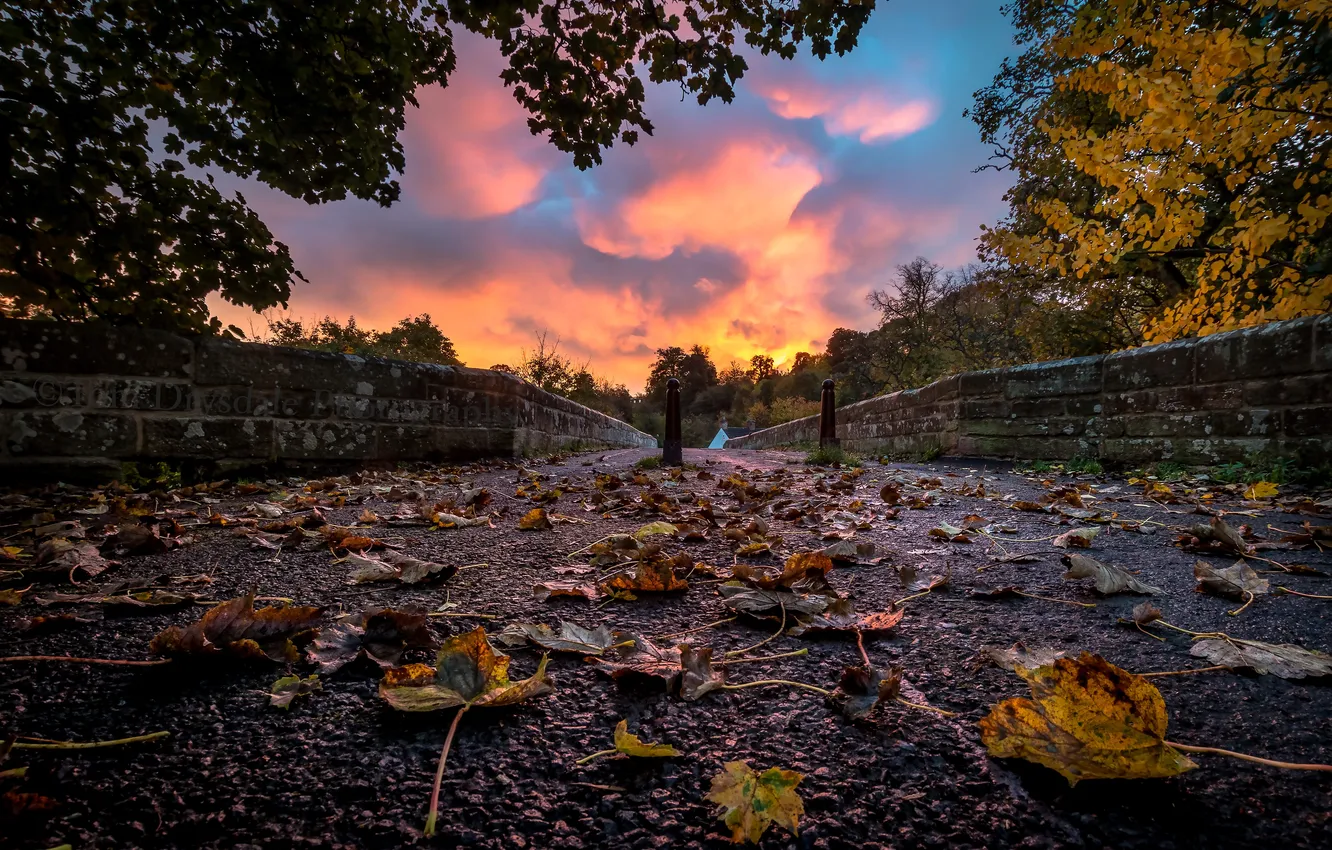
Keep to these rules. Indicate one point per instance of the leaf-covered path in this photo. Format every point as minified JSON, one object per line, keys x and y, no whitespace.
{"x":964,"y":552}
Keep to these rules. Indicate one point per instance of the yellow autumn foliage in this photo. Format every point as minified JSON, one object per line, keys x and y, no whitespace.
{"x":1217,"y":160}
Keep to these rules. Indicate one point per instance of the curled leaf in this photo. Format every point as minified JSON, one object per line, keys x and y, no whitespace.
{"x":699,"y":676}
{"x":631,"y":745}
{"x":841,"y":616}
{"x":1279,"y":659}
{"x":395,"y":566}
{"x":1109,"y":579}
{"x":1238,"y":581}
{"x":633,"y":655}
{"x":288,"y":688}
{"x":581,"y":589}
{"x":381,"y":635}
{"x":1078,"y":538}
{"x":1021,"y":657}
{"x":863,"y":688}
{"x":570,"y":637}
{"x":237,"y":628}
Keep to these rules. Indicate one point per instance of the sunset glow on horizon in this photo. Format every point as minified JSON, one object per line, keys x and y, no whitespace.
{"x":756,"y":227}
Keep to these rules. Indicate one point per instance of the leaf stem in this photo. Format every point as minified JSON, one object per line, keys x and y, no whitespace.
{"x":923,"y":707}
{"x":1305,"y":595}
{"x":1247,"y":603}
{"x":791,"y":654}
{"x":696,"y":630}
{"x":1052,"y":599}
{"x":90,"y":745}
{"x":463,"y":614}
{"x":780,"y":628}
{"x":585,"y":759}
{"x":439,"y":774}
{"x":123,"y":662}
{"x":860,"y":644}
{"x":823,"y":691}
{"x":1184,"y":672}
{"x":1188,"y":748}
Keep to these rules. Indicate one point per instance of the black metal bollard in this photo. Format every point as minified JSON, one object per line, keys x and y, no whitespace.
{"x":672,"y":447}
{"x":828,"y":416}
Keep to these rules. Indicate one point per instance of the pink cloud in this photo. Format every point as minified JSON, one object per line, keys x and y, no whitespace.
{"x":469,"y":152}
{"x":870,"y":114}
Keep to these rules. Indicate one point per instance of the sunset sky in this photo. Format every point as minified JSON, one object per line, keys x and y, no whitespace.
{"x":754,"y":227}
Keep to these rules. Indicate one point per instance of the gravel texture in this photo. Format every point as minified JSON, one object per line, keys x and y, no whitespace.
{"x":341,"y":769}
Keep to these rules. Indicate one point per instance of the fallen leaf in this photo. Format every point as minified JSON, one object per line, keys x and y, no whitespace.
{"x":548,"y":589}
{"x":1078,"y":538}
{"x":699,"y":676}
{"x":467,"y":672}
{"x":849,"y":551}
{"x":654,"y":529}
{"x":752,"y":801}
{"x":287,"y":688}
{"x":535,"y":520}
{"x":395,"y":566}
{"x":1109,"y":579}
{"x":62,"y":558}
{"x":146,"y":601}
{"x":1216,"y":537}
{"x":1021,"y":657}
{"x":863,"y":688}
{"x":951,"y":533}
{"x":631,"y":745}
{"x":635,"y":655}
{"x":1087,"y":719}
{"x":1032,"y":507}
{"x":1238,"y":581}
{"x":840,"y":616}
{"x":10,"y":596}
{"x":382,"y":635}
{"x":237,"y":628}
{"x":570,"y":637}
{"x":760,"y":602}
{"x":656,"y":575}
{"x":1279,"y":659}
{"x":1261,"y":490}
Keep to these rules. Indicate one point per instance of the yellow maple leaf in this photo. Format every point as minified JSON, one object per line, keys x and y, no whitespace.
{"x":752,"y":801}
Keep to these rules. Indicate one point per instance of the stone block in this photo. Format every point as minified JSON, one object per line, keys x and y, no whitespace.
{"x":1281,"y":348}
{"x":1308,"y":422}
{"x":224,"y":362}
{"x":92,"y":348}
{"x":1078,"y":376}
{"x":1153,"y":366}
{"x":988,"y":382}
{"x":210,"y":437}
{"x":304,"y":440}
{"x":1295,"y":390}
{"x":71,"y":433}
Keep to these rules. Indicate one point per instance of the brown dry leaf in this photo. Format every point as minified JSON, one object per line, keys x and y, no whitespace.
{"x":61,"y":558}
{"x":891,"y":494}
{"x":535,"y":520}
{"x":139,"y":540}
{"x":1279,"y":659}
{"x":849,"y":552}
{"x":1078,"y":538}
{"x":395,"y":566}
{"x":1109,"y":579}
{"x":1216,"y":537}
{"x":840,"y":616}
{"x":769,"y":603}
{"x":580,"y":589}
{"x":635,"y":655}
{"x":467,"y":672}
{"x":1144,"y":613}
{"x":1021,"y":657}
{"x":237,"y":628}
{"x":569,"y":637}
{"x":656,"y":575}
{"x":382,"y":635}
{"x":1087,"y":719}
{"x":951,"y":533}
{"x":863,"y":688}
{"x":1032,"y":507}
{"x":803,"y":571}
{"x":752,"y":801}
{"x":699,"y":676}
{"x":1238,"y":581}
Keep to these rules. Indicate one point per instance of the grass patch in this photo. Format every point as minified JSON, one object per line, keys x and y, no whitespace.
{"x":649,"y":462}
{"x":1084,"y":466}
{"x":1038,"y":466}
{"x":1278,"y":470}
{"x":150,"y":476}
{"x":832,"y":456}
